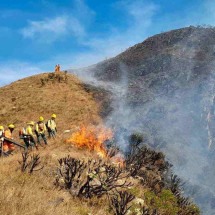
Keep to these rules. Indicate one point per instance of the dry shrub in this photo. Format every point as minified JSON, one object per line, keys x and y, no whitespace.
{"x":54,"y":78}
{"x":29,"y":163}
{"x":120,"y":202}
{"x":88,"y":179}
{"x":148,"y":166}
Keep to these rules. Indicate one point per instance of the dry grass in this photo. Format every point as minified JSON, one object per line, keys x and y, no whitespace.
{"x":26,"y":100}
{"x":36,"y":194}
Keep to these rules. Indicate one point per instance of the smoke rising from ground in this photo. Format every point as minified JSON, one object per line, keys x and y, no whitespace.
{"x":174,"y":110}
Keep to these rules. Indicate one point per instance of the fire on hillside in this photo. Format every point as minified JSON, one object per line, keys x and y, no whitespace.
{"x":94,"y":138}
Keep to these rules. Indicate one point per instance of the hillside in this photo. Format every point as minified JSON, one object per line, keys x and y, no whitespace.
{"x":27,"y":99}
{"x":76,"y":104}
{"x":164,"y":88}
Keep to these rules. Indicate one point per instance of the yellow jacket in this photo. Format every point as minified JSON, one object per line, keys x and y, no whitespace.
{"x":29,"y":130}
{"x":52,"y":124}
{"x":40,"y":128}
{"x":8,"y":134}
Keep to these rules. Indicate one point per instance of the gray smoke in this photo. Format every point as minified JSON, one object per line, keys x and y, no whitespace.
{"x":175,"y":115}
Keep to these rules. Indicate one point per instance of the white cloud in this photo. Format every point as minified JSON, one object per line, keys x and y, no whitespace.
{"x":53,"y":28}
{"x":56,"y":25}
{"x":72,"y":21}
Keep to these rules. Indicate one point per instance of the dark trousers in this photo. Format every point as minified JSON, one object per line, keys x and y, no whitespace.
{"x":41,"y":136}
{"x":52,"y":133}
{"x":28,"y":140}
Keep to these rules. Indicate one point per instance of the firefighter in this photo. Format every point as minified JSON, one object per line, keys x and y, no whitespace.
{"x":8,"y":147}
{"x":58,"y":67}
{"x":40,"y":131}
{"x":29,"y":136}
{"x":51,"y":126}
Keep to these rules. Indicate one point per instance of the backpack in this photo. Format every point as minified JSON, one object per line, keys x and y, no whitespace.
{"x":47,"y":127}
{"x":22,"y":132}
{"x":1,"y":134}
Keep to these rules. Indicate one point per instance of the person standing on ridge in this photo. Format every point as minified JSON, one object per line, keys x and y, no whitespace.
{"x":8,"y":147}
{"x":40,"y":131}
{"x":52,"y":126}
{"x":58,"y":67}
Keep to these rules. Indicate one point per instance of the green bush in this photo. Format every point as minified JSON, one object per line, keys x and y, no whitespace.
{"x":165,"y":202}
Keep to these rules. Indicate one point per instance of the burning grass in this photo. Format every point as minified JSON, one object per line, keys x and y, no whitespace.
{"x":143,"y":169}
{"x":93,"y":138}
{"x":89,"y":183}
{"x":147,"y":166}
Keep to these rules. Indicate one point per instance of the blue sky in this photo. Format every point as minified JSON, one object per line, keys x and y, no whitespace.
{"x":37,"y":34}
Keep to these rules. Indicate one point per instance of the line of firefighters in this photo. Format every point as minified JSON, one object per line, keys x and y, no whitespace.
{"x":28,"y":133}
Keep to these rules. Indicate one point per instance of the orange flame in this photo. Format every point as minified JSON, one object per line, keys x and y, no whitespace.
{"x":92,"y":137}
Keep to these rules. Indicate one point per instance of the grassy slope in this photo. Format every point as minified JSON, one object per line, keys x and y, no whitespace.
{"x":36,"y":194}
{"x":26,"y":100}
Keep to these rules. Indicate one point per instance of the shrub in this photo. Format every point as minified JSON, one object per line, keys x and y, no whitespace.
{"x":120,"y":202}
{"x":164,"y":203}
{"x":30,"y":163}
{"x":88,"y":179}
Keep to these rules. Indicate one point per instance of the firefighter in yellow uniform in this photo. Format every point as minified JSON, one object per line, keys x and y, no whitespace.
{"x":52,"y":126}
{"x":29,"y":140}
{"x":40,"y":131}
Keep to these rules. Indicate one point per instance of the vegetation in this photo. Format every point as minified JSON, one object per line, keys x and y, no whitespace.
{"x":27,"y":100}
{"x":30,"y":164}
{"x":91,"y":178}
{"x":82,"y":184}
{"x":120,"y":201}
{"x":53,"y":78}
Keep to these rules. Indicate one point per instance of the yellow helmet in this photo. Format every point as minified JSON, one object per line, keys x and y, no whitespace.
{"x":30,"y":123}
{"x":11,"y":126}
{"x":54,"y":115}
{"x":41,"y":119}
{"x":1,"y":127}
